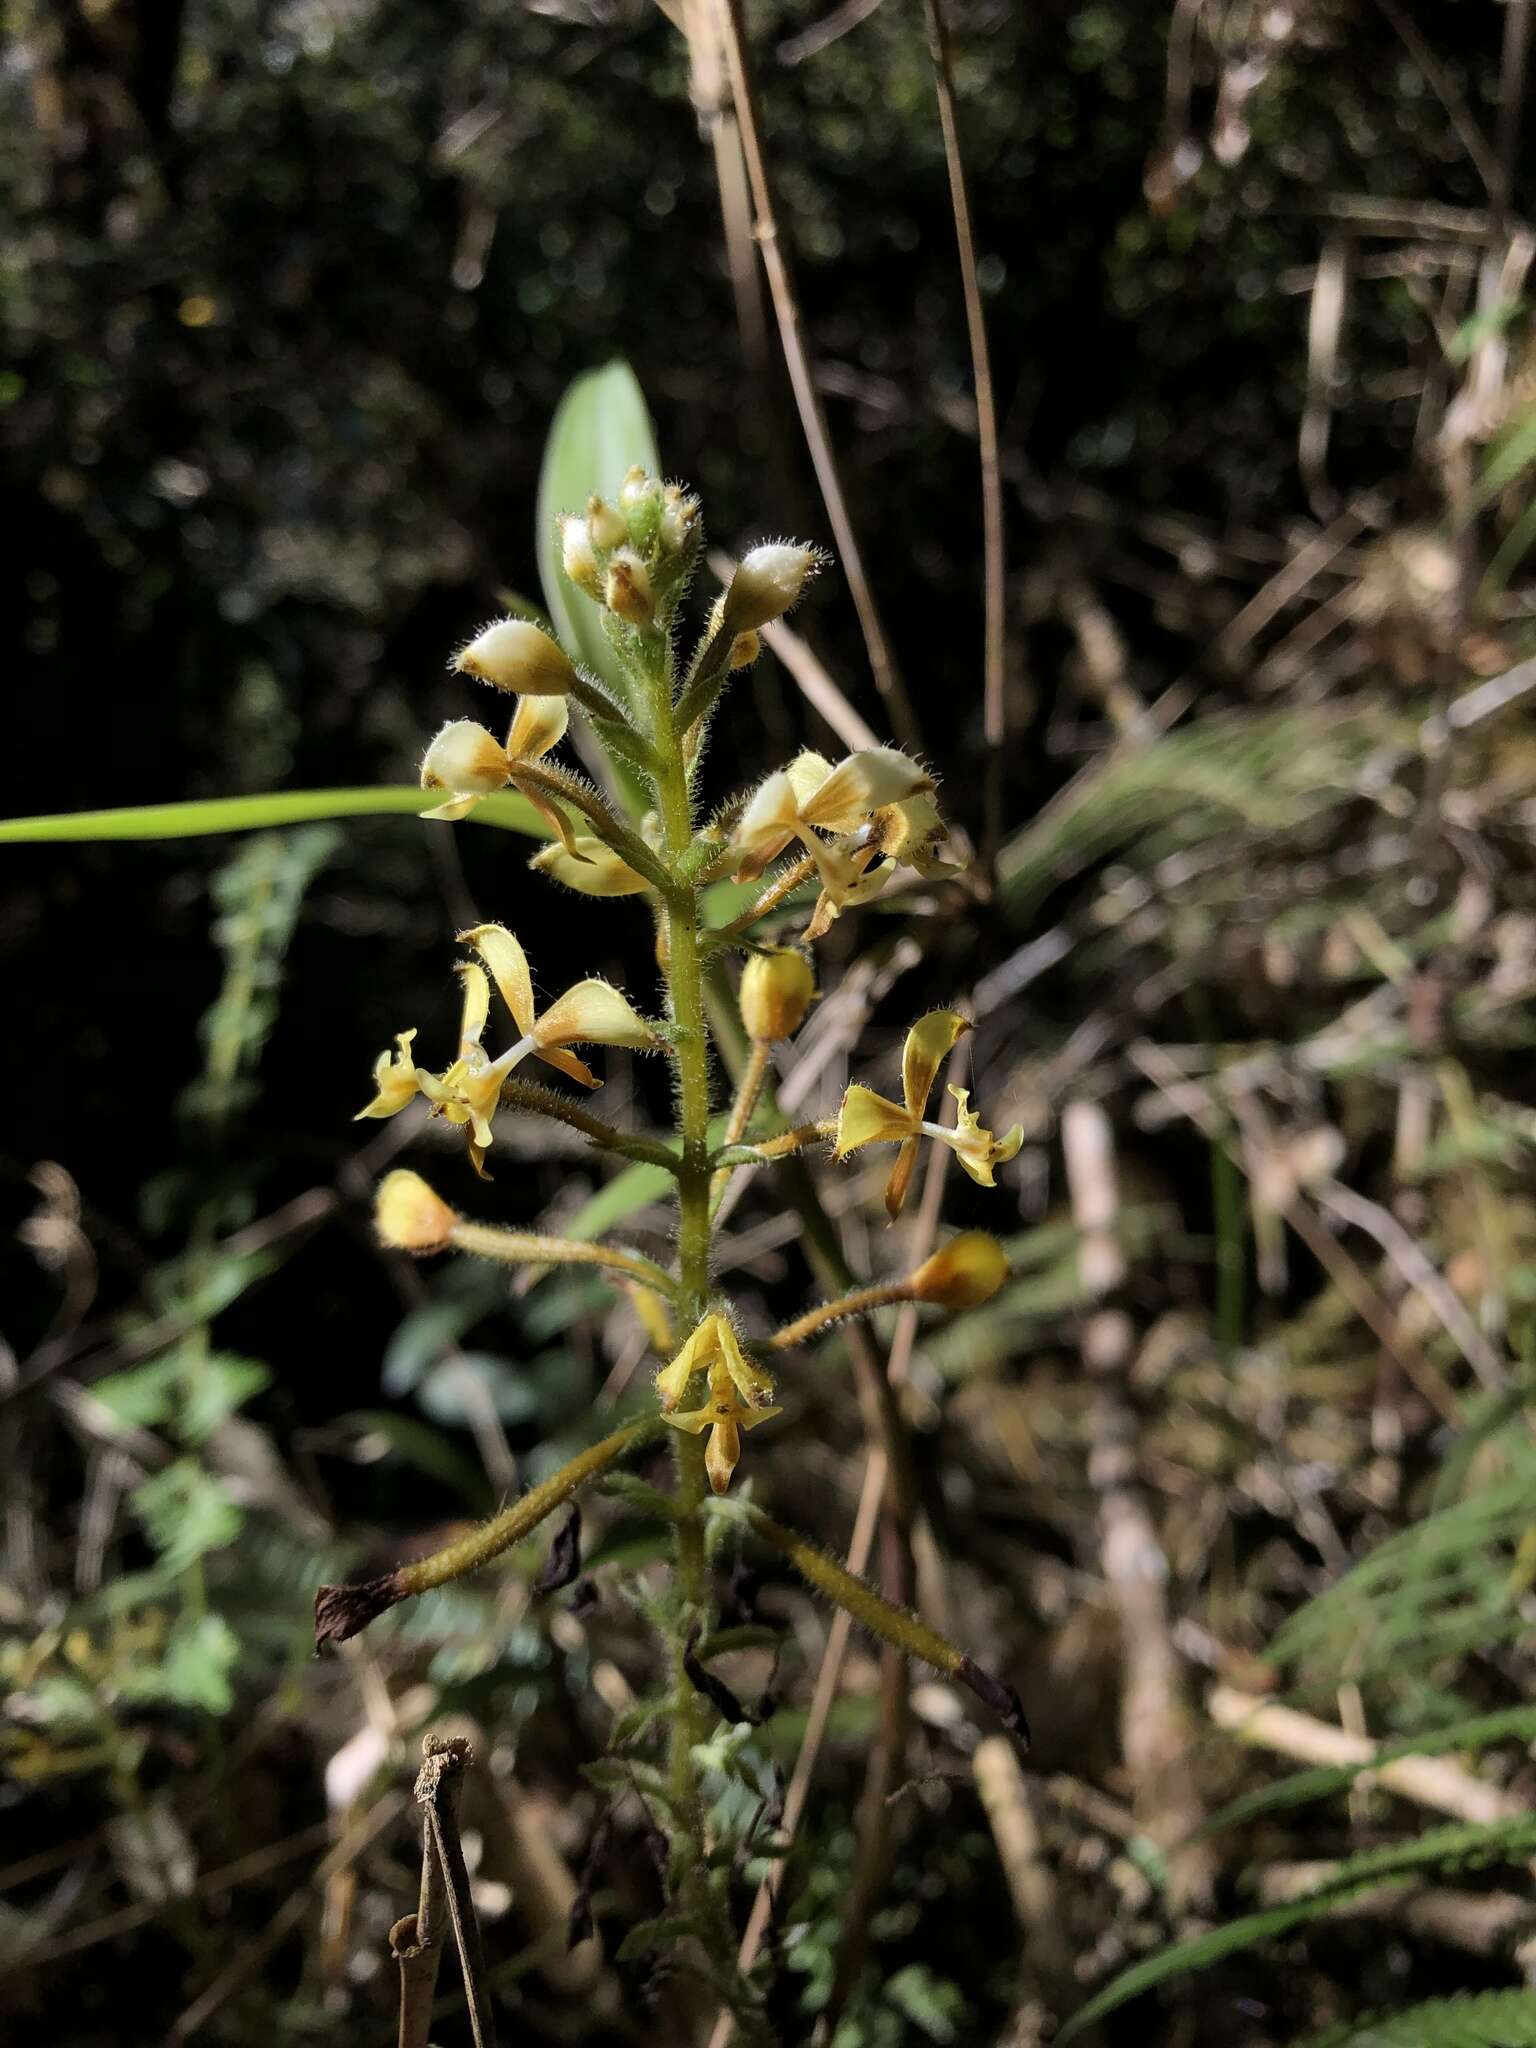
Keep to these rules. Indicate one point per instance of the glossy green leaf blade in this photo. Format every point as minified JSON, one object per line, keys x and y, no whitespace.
{"x":601,"y":428}
{"x":194,"y":819}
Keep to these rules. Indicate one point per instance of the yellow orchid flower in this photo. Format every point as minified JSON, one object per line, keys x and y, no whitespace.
{"x":469,"y":761}
{"x":870,"y":1119}
{"x":899,"y":835}
{"x":713,"y":1343}
{"x":811,"y":797}
{"x":467,"y":1092}
{"x":739,"y":1395}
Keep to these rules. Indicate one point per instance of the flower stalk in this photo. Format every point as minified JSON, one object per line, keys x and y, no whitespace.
{"x":846,"y":825}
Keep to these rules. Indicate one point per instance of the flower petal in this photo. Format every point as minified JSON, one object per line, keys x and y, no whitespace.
{"x":567,"y":1063}
{"x":869,"y":1119}
{"x":766,"y":826}
{"x":750,"y":1381}
{"x":975,"y":1147}
{"x":538,"y":724}
{"x":897,"y":1186}
{"x":477,"y":1006}
{"x":395,"y":1080}
{"x":862,"y":784}
{"x":508,"y":964}
{"x":456,"y":807}
{"x":700,"y":1349}
{"x":593,"y":1013}
{"x":807,"y":773}
{"x":590,"y":868}
{"x":465,"y":758}
{"x":929,"y":1044}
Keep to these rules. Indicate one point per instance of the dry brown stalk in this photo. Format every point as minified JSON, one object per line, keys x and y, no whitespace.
{"x":813,"y":419}
{"x":994,"y":585}
{"x":1155,"y":1719}
{"x":1438,"y":1782}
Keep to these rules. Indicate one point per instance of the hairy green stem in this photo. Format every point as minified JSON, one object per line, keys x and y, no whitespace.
{"x":533,"y":1248}
{"x":690,"y":1052}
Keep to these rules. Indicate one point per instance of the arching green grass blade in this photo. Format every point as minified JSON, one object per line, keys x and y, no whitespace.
{"x":259,"y":813}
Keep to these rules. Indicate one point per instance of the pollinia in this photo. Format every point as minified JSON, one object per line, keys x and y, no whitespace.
{"x":839,"y":830}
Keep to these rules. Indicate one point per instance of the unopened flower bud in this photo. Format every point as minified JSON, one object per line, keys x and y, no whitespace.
{"x":745,"y":649}
{"x":604,"y":525}
{"x":628,"y":589}
{"x":776,"y":991}
{"x":577,"y":557}
{"x":516,"y":655}
{"x":768,"y":581}
{"x":593,"y":869}
{"x":466,"y":758}
{"x":408,"y":1216}
{"x":964,"y":1273}
{"x":679,"y":518}
{"x":636,"y":488}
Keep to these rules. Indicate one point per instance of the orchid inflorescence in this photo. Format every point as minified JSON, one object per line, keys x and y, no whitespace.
{"x":842,"y":829}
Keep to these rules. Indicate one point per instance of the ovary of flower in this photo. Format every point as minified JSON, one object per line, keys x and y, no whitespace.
{"x":867,"y":1118}
{"x":467,"y":1092}
{"x":466,"y":759}
{"x":811,"y":797}
{"x":725,"y":1414}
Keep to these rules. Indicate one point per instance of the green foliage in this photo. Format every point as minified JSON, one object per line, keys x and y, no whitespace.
{"x":600,"y":430}
{"x":1271,"y":771}
{"x":1435,"y":1853}
{"x":1444,"y":1586}
{"x":1468,"y":1736}
{"x":1495,"y":2019}
{"x":260,"y":813}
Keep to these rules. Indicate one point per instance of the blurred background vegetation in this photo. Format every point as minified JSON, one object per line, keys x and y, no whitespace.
{"x":291,"y":289}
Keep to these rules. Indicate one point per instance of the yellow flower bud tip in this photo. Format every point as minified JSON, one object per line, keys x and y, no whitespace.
{"x":604,"y":525}
{"x":768,"y":582}
{"x":578,"y":558}
{"x":409,"y":1216}
{"x":627,"y":590}
{"x":964,"y":1273}
{"x":776,"y":991}
{"x":466,"y":758}
{"x":516,"y":655}
{"x":745,"y":649}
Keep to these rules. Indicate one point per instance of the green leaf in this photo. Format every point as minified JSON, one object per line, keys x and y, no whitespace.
{"x":217,"y":1386}
{"x":601,"y":429}
{"x":194,"y":1671}
{"x":930,"y":2002}
{"x":144,"y":1396}
{"x":186,"y":1513}
{"x":1437,"y":1850}
{"x":635,"y":1188}
{"x":256,"y":813}
{"x":1491,"y":2019}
